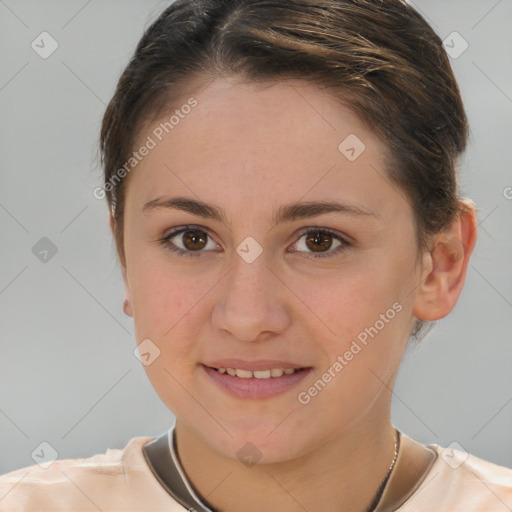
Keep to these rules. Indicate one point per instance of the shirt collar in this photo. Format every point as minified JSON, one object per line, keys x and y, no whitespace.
{"x":162,"y":458}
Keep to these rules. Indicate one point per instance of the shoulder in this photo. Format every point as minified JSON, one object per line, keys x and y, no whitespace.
{"x":118,"y":479}
{"x":461,"y":481}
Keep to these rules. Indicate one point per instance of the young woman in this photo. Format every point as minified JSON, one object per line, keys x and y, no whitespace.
{"x":281,"y":177}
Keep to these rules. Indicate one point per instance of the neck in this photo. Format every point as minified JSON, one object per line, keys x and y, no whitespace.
{"x":344,"y":473}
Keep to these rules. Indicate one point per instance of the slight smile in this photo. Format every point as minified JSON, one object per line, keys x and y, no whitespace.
{"x":257,"y":379}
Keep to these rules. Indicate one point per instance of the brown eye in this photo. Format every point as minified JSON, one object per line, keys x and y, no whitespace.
{"x":194,"y":239}
{"x":319,"y":241}
{"x":188,"y":241}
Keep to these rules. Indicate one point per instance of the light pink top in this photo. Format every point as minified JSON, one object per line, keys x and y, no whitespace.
{"x":120,"y":480}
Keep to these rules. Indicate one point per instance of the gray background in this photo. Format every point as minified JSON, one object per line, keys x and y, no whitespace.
{"x":68,"y":373}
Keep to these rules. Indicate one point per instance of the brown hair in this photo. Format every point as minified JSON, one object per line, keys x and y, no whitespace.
{"x":381,"y":59}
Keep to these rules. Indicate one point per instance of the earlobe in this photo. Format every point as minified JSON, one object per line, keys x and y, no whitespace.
{"x":127,"y":307}
{"x":446,"y":264}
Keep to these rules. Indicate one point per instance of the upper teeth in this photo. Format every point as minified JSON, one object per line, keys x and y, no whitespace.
{"x":259,"y":374}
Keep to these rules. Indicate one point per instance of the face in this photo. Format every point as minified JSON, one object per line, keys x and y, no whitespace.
{"x":328,"y":291}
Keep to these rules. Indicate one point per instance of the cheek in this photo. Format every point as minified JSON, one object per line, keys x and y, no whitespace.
{"x":361,"y":337}
{"x":365,"y":315}
{"x":350,"y":301}
{"x":166,"y":306}
{"x":160,"y":306}
{"x":162,"y":296}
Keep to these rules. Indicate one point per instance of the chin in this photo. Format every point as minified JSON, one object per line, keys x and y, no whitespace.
{"x":256,"y":446}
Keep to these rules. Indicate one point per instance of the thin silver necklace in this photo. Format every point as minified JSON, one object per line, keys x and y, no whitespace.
{"x":384,"y":483}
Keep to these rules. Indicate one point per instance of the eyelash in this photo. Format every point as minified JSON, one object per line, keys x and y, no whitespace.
{"x":165,"y":241}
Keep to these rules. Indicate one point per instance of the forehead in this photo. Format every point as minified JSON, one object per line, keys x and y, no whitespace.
{"x":260,"y":139}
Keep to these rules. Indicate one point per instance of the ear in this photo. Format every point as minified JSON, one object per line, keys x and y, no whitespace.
{"x":445,"y":266}
{"x":127,"y":306}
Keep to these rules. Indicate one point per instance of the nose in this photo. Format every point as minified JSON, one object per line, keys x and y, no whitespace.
{"x":251,"y":304}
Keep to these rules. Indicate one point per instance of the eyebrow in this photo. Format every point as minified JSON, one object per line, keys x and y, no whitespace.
{"x":285,"y":213}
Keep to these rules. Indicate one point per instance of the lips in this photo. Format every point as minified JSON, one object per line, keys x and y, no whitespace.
{"x":255,"y":379}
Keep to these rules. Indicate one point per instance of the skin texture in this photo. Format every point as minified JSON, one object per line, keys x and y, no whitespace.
{"x":249,"y":149}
